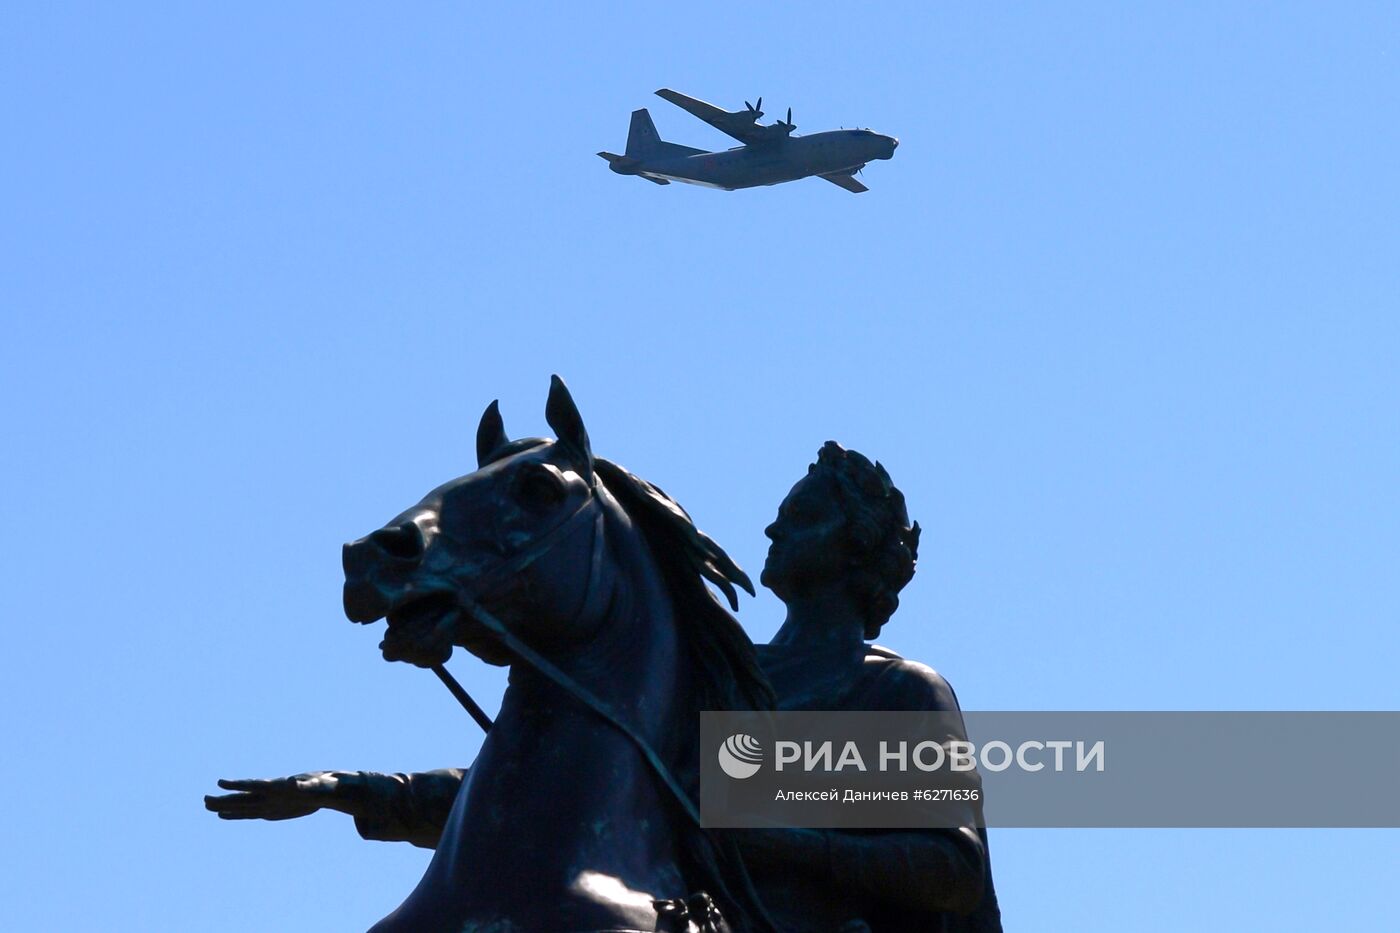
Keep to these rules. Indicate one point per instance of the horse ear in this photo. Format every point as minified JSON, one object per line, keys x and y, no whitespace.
{"x":562,"y":415}
{"x":490,"y":434}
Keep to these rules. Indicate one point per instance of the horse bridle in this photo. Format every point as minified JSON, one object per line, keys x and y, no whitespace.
{"x":491,"y":581}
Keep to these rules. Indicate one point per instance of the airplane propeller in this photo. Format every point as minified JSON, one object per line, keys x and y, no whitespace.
{"x":757,"y":111}
{"x":787,"y":125}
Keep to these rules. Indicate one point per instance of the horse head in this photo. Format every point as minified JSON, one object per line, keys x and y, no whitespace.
{"x":523,"y":534}
{"x":591,"y":582}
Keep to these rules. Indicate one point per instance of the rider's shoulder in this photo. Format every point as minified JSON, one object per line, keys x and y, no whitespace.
{"x":909,"y":683}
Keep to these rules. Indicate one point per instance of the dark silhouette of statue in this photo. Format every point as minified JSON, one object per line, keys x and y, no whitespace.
{"x":842,"y":548}
{"x":578,"y":813}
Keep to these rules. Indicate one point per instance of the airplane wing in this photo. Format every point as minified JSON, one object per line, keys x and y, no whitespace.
{"x":741,"y":124}
{"x":846,"y":181}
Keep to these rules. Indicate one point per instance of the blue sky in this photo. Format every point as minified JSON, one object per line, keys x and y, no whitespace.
{"x":1119,"y":317}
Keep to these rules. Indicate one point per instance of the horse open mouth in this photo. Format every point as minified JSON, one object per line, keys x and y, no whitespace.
{"x":420,"y":629}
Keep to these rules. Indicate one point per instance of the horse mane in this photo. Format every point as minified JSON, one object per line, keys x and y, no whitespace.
{"x":728,"y":675}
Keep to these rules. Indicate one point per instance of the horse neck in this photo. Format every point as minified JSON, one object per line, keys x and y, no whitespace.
{"x":633,"y":664}
{"x":556,"y":788}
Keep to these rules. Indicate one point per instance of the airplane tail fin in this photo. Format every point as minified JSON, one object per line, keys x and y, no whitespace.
{"x":642,"y":139}
{"x":643,"y":143}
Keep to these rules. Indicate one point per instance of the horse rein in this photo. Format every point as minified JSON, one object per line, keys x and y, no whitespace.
{"x":490,"y":581}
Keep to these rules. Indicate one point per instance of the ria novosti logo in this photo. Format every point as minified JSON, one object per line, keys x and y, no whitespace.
{"x":740,"y":756}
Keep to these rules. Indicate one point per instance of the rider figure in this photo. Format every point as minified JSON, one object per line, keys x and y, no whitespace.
{"x":842,"y":549}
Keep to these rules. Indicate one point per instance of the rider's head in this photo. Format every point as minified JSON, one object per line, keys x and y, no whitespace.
{"x":844,"y":520}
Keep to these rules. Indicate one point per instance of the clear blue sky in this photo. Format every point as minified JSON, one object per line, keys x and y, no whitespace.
{"x":1120,"y":317}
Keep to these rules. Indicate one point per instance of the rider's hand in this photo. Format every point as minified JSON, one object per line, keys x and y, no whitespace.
{"x":278,"y":798}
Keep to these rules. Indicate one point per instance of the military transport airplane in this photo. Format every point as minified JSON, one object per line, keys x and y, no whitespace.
{"x":770,"y":155}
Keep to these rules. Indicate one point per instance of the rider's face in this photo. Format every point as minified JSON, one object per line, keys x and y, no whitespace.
{"x":809,"y":539}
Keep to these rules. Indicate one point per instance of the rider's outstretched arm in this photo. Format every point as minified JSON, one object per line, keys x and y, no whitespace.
{"x":389,"y":807}
{"x":403,"y":807}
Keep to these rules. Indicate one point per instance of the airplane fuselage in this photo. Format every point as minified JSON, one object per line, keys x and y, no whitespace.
{"x":768,"y":163}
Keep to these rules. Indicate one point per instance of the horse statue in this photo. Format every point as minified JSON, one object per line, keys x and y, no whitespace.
{"x":578,"y":813}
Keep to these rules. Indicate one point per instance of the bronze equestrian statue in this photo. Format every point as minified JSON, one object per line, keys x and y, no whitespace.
{"x":842,"y":549}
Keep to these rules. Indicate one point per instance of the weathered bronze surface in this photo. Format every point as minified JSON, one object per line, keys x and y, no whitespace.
{"x":588,"y":582}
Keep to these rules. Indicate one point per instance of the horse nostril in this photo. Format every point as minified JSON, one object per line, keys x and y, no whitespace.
{"x":402,"y":541}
